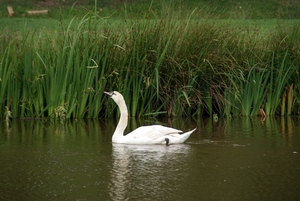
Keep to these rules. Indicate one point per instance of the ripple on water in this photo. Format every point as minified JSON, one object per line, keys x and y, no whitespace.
{"x":218,"y":143}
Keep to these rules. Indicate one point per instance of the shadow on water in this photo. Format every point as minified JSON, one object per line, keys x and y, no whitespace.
{"x":232,"y":159}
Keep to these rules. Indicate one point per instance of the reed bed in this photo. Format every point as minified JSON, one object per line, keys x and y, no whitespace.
{"x":165,"y":67}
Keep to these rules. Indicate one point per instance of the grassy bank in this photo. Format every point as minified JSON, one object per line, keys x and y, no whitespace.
{"x":163,"y":67}
{"x":169,"y":66}
{"x":225,"y":9}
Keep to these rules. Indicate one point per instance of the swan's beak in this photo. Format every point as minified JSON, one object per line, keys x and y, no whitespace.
{"x":109,"y":93}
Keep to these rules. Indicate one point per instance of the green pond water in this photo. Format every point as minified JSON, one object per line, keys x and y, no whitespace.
{"x":233,"y":159}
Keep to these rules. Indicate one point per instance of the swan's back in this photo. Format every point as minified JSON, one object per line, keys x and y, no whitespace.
{"x":155,"y":134}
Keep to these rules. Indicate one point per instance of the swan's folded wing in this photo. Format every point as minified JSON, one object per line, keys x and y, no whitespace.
{"x":165,"y":130}
{"x":154,"y":131}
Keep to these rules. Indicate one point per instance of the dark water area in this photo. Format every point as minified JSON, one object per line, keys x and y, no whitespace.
{"x":232,"y":159}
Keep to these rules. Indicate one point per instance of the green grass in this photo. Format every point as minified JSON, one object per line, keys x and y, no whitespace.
{"x":243,"y":9}
{"x":172,"y":66}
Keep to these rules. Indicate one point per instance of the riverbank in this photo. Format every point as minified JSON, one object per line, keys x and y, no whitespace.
{"x":171,"y":66}
{"x":225,"y":9}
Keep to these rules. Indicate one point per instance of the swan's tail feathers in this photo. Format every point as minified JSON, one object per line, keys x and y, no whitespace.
{"x":186,"y":135}
{"x":190,"y":132}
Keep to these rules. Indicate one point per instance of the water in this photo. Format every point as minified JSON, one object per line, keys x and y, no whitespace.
{"x":236,"y":159}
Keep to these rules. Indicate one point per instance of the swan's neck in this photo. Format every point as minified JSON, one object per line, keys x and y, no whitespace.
{"x":119,"y":132}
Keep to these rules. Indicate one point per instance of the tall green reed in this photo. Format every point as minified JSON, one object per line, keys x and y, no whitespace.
{"x":246,"y":92}
{"x":163,"y":67}
{"x":280,"y":73}
{"x":60,"y":78}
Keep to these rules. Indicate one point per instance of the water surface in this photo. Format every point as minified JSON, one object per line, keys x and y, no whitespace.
{"x":234,"y":159}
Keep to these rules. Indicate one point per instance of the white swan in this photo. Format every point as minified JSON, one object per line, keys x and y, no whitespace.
{"x":155,"y":134}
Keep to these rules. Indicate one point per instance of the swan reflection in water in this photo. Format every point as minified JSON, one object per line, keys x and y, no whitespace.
{"x":146,"y":171}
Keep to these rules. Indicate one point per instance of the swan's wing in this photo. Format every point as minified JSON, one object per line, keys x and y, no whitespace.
{"x":153,"y":132}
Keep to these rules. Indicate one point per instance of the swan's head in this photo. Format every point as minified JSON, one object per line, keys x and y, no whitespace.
{"x":116,"y":96}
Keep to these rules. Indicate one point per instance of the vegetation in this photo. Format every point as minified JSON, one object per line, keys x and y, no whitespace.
{"x":177,"y":65}
{"x":242,"y":9}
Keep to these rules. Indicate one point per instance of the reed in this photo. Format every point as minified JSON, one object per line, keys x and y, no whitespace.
{"x":280,"y":73}
{"x":248,"y":90}
{"x":164,"y":67}
{"x":290,"y":99}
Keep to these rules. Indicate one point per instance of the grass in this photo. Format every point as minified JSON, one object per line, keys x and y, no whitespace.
{"x":166,"y":67}
{"x":137,"y":9}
